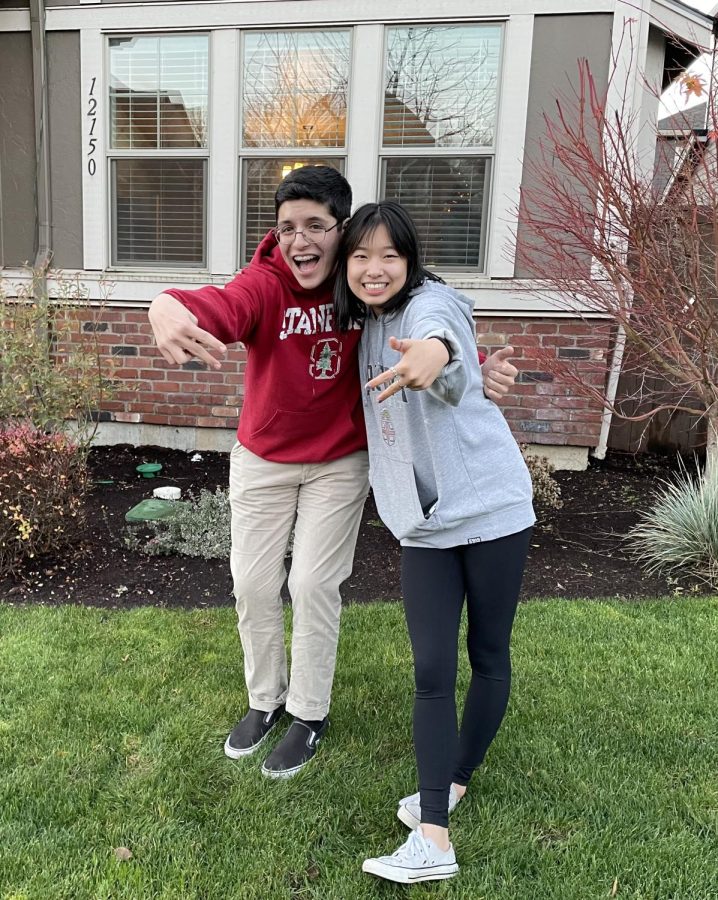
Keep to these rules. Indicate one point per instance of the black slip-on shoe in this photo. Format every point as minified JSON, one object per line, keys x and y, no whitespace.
{"x":251,"y":731}
{"x":295,"y":750}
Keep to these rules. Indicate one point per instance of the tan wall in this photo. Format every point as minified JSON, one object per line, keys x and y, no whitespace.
{"x":17,"y":150}
{"x":559,"y":42}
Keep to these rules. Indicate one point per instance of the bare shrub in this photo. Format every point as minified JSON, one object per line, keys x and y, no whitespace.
{"x":43,"y":482}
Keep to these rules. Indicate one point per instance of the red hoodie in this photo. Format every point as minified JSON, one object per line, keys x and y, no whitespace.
{"x":302,"y":394}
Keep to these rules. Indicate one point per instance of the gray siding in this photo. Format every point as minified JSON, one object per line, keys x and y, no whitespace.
{"x":17,"y":150}
{"x":559,"y":42}
{"x":63,"y":50}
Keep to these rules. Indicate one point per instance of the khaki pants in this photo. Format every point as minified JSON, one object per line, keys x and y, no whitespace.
{"x":327,"y":500}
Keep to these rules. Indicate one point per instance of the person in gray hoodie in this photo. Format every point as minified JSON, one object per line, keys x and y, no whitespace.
{"x":450,"y":483}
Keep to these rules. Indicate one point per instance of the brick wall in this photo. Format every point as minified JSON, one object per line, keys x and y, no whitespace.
{"x":541,"y":409}
{"x":153,"y":391}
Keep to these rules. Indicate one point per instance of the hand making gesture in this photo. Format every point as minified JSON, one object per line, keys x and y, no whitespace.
{"x":422,"y":361}
{"x":178,"y":337}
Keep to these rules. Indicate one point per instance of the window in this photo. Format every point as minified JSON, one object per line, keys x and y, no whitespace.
{"x":294,"y":113}
{"x":159,"y":150}
{"x":439,"y":129}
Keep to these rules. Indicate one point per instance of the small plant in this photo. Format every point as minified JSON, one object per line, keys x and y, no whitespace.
{"x":43,"y":481}
{"x":51,"y":368}
{"x":199,"y":527}
{"x":679,"y":534}
{"x":547,"y":491}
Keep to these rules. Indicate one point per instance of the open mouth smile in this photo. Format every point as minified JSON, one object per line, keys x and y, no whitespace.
{"x":305,"y":262}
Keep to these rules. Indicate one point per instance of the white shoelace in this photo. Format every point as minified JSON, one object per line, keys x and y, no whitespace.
{"x":414,"y":848}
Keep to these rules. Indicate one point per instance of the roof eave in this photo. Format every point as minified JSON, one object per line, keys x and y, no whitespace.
{"x":677,"y":19}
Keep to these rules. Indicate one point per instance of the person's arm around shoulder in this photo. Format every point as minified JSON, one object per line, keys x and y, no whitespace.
{"x":178,"y":337}
{"x":499,"y":373}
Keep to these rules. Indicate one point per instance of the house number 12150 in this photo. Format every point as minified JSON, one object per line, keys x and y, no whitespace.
{"x":92,"y":116}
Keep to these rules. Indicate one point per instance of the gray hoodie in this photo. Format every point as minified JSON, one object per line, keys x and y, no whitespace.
{"x":444,"y":466}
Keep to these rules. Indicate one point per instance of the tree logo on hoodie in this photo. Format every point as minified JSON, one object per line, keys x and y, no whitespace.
{"x":325,"y":359}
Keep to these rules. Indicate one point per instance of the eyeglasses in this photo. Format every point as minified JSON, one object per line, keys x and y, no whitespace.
{"x":313,"y":234}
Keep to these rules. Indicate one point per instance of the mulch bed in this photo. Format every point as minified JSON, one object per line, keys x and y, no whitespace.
{"x":577,"y":551}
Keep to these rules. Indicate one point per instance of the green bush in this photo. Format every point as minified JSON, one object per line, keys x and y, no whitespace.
{"x":51,"y":369}
{"x":199,"y":527}
{"x":679,"y":534}
{"x":547,"y":491}
{"x":43,"y":481}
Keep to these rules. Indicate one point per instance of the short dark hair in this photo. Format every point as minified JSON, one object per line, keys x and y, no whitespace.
{"x":319,"y":183}
{"x":405,"y":239}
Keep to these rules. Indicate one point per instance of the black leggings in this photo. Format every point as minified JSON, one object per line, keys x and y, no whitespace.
{"x":434,"y":583}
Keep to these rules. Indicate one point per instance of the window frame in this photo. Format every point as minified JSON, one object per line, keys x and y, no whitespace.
{"x":362,"y":152}
{"x":244,"y":154}
{"x":389,"y":152}
{"x":159,"y":153}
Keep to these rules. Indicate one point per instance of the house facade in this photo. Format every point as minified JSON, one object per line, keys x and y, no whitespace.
{"x":141,"y":143}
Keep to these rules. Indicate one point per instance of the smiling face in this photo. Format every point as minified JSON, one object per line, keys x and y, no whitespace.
{"x":310,"y":263}
{"x":375,"y":271}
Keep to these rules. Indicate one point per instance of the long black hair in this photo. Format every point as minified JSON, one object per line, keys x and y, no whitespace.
{"x":348,"y":309}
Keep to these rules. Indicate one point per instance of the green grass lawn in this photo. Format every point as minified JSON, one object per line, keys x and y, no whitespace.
{"x":601,"y":782}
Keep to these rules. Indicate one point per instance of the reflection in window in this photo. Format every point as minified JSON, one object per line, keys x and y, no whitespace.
{"x":295,"y":89}
{"x":447,"y":198}
{"x":260,"y":180}
{"x":158,"y":92}
{"x":441,"y":86}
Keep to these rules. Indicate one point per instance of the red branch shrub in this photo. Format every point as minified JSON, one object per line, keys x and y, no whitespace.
{"x":43,"y":481}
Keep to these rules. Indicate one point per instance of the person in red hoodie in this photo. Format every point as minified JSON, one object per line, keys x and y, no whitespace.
{"x":300,"y":459}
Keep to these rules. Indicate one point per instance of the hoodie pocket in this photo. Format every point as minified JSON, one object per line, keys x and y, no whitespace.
{"x":397,"y":499}
{"x":324,"y":432}
{"x":267,"y":425}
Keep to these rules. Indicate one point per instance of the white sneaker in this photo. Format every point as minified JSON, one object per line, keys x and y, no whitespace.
{"x":409,"y":811}
{"x":418,"y":859}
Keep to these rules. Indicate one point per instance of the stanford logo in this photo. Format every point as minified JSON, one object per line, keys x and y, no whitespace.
{"x":325,"y":359}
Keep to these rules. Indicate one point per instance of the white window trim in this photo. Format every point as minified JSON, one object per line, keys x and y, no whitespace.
{"x":95,"y":238}
{"x":14,"y":20}
{"x":366,"y":89}
{"x":321,"y":13}
{"x":223,"y":197}
{"x":508,"y":163}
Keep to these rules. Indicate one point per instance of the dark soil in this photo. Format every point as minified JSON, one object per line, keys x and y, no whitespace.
{"x":577,"y":551}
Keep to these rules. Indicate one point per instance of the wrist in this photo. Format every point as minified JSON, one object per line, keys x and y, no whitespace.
{"x":446,"y":344}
